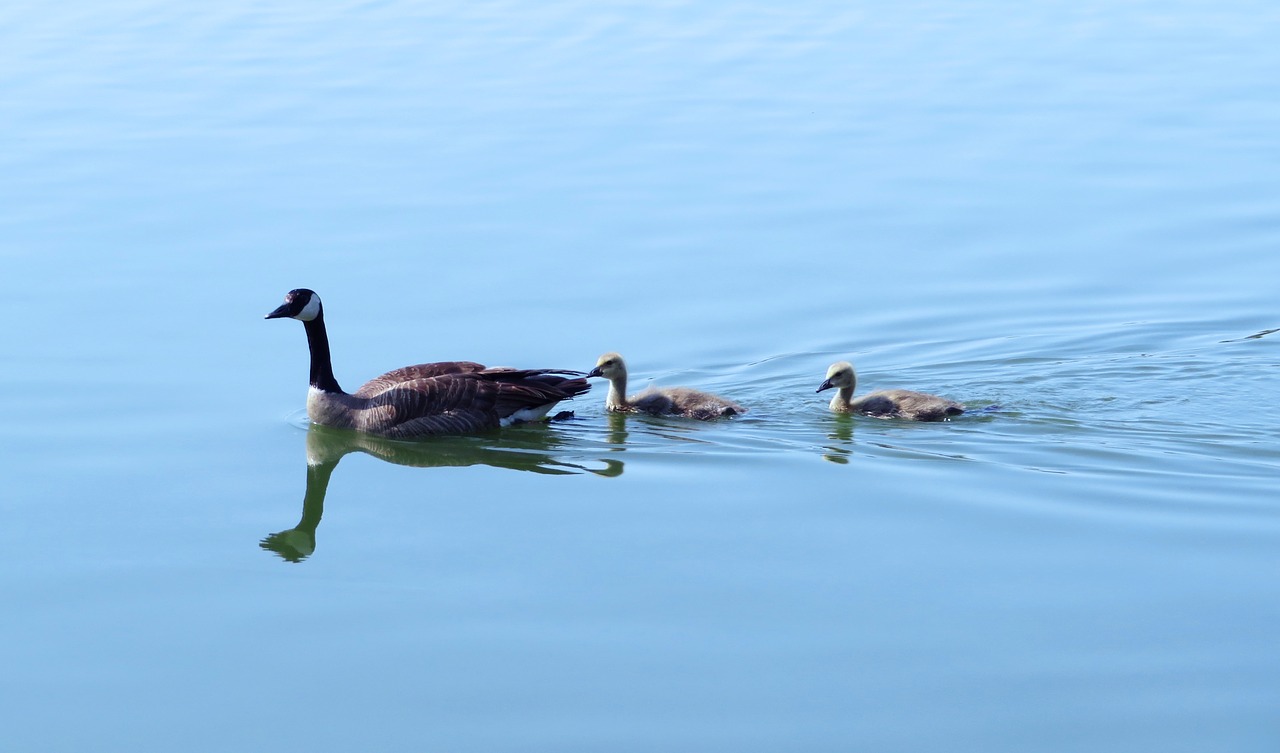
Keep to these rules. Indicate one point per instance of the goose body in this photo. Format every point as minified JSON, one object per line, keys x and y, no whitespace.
{"x":659,"y":401}
{"x":449,"y":397}
{"x":913,"y":406}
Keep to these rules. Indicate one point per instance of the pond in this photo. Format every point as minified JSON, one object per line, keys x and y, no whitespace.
{"x":1063,"y":215}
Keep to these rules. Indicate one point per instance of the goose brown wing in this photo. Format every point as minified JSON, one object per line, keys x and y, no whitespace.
{"x":455,"y":422}
{"x":466,"y":402}
{"x":519,"y":389}
{"x":380,"y":384}
{"x":445,"y":404}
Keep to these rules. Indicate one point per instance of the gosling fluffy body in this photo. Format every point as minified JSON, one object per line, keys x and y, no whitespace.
{"x":449,"y":397}
{"x":659,"y":401}
{"x":913,"y":406}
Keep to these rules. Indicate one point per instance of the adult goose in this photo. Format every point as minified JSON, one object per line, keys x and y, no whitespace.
{"x":913,"y":406}
{"x":667,"y":401}
{"x":451,"y":397}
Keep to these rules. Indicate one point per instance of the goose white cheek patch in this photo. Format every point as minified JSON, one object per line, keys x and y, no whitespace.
{"x":310,"y":311}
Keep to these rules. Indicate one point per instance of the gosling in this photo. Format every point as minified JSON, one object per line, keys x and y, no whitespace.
{"x":912,"y":406}
{"x":655,"y":401}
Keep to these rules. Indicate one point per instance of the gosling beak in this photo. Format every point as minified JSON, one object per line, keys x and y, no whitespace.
{"x":826,"y":385}
{"x":281,"y":312}
{"x":594,"y":373}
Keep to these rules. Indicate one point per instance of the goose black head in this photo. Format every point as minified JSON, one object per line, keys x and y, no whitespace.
{"x":300,"y":304}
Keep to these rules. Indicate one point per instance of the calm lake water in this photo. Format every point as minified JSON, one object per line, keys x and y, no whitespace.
{"x":1065,"y":215}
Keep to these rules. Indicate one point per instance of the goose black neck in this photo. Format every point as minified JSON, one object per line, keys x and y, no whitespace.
{"x":321,"y":364}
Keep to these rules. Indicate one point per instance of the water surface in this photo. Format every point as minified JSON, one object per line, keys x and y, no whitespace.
{"x":1062,"y":215}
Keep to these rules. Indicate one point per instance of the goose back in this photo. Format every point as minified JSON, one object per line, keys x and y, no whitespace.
{"x":419,"y":371}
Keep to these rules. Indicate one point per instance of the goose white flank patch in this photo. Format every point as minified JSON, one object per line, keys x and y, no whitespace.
{"x":658,"y":401}
{"x":450,"y":397}
{"x":913,"y":406}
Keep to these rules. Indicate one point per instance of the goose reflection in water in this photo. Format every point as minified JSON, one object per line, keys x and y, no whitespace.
{"x":519,"y":450}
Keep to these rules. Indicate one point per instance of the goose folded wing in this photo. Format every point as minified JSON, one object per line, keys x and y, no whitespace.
{"x":448,"y":404}
{"x":380,"y":384}
{"x":520,"y":389}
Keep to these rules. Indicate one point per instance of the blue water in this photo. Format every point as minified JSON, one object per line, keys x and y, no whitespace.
{"x":1064,"y":215}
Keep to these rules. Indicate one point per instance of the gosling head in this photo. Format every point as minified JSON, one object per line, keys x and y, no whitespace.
{"x":840,"y":374}
{"x":610,"y":366}
{"x":300,"y":304}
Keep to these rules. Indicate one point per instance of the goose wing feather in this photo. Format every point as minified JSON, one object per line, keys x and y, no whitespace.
{"x":465,"y":402}
{"x":380,"y":384}
{"x":453,"y":422}
{"x":445,"y":404}
{"x":520,"y":389}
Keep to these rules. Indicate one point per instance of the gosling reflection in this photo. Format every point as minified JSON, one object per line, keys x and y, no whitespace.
{"x":617,"y":435}
{"x":529,"y":450}
{"x":842,"y":432}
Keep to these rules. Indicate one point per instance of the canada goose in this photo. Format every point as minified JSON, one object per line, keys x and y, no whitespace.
{"x":451,"y":397}
{"x":667,"y":401}
{"x":914,"y":406}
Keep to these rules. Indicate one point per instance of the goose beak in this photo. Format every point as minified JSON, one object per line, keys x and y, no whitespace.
{"x":281,"y":312}
{"x":826,"y":385}
{"x":594,"y":373}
